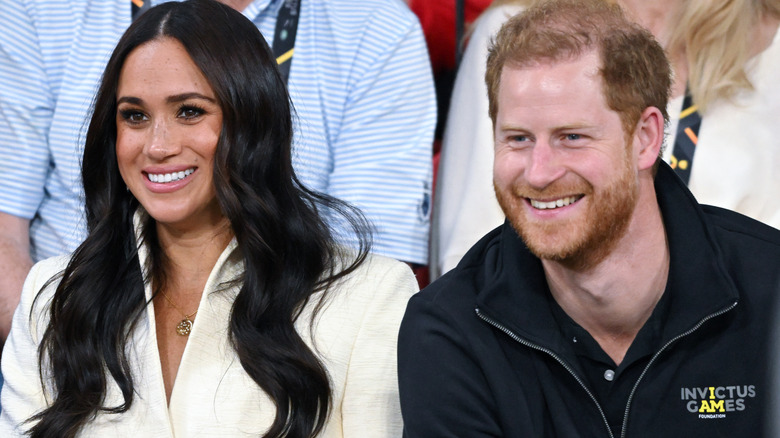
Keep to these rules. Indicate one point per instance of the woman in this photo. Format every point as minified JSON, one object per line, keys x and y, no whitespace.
{"x":209,"y":298}
{"x":726,"y":52}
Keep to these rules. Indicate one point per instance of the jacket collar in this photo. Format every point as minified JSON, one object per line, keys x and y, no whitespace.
{"x":515,"y":291}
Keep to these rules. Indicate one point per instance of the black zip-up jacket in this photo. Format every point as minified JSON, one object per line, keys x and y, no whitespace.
{"x":481,"y":354}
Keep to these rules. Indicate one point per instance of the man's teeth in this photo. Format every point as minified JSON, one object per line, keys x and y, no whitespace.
{"x":562,"y":202}
{"x":168,"y":177}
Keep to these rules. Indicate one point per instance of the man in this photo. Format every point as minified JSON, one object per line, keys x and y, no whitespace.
{"x":736,"y":149}
{"x":610,"y":303}
{"x":360,"y":82}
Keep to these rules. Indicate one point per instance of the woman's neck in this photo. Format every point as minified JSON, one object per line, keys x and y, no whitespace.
{"x":191,"y":256}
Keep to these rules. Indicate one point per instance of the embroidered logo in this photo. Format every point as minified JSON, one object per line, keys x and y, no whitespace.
{"x":711,"y":402}
{"x":424,"y":207}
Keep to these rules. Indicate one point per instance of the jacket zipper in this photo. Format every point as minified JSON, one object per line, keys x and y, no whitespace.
{"x":658,"y":353}
{"x":522,"y":341}
{"x":566,"y":366}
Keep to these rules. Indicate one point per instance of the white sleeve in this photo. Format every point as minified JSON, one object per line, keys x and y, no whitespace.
{"x":465,"y":205}
{"x":26,"y":108}
{"x":382,"y":155}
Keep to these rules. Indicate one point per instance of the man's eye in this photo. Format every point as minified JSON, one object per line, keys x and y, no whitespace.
{"x":573,"y":136}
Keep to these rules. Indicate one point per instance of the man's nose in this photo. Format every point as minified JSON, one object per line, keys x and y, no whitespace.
{"x":543,"y":165}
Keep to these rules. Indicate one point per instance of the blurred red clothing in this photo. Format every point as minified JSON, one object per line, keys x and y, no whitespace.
{"x":437,"y":18}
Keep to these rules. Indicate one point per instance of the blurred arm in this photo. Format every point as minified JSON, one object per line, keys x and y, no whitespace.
{"x":382,"y":153}
{"x":15,"y":263}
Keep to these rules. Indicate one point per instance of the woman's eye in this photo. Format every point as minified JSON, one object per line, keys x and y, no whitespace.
{"x":133,"y":116}
{"x":190,"y":112}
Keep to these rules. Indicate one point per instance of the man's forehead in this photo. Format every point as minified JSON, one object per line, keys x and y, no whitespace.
{"x":554,"y":96}
{"x":553,"y":82}
{"x":588,"y":61}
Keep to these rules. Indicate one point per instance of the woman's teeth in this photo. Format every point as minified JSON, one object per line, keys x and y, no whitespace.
{"x":169,"y":177}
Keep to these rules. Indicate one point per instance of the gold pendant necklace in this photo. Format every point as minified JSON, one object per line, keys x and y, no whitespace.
{"x":184,"y":327}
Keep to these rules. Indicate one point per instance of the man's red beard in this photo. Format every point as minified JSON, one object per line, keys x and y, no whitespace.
{"x":578,"y":242}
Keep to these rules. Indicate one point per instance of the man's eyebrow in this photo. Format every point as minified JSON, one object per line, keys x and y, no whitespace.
{"x":511,"y":127}
{"x":576,"y":126}
{"x":572,"y":126}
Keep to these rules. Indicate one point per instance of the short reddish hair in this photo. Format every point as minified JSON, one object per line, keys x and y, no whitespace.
{"x":635,"y":69}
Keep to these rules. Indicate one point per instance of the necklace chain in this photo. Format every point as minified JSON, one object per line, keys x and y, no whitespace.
{"x":185,"y":325}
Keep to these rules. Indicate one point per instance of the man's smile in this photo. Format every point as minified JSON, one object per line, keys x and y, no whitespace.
{"x":557,"y":203}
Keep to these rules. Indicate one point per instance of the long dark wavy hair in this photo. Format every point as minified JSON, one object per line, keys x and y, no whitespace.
{"x":287,"y":248}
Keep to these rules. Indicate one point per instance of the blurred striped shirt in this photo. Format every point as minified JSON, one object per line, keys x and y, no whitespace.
{"x":360,"y":82}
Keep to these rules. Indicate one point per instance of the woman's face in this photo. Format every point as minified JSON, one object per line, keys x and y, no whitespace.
{"x":168,"y":123}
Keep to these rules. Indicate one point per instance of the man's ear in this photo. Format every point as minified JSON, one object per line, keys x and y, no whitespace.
{"x":648,"y":137}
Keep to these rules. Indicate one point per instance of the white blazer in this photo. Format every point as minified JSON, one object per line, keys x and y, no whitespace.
{"x":355,"y":336}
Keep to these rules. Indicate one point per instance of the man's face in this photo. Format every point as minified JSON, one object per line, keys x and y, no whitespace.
{"x":564,"y":174}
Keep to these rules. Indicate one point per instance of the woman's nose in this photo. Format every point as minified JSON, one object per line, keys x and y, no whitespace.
{"x":161,"y":142}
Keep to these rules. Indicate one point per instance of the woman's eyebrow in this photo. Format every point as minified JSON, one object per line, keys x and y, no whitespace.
{"x":184,"y":96}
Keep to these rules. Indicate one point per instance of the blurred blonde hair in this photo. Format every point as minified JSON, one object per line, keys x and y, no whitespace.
{"x":717,"y":38}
